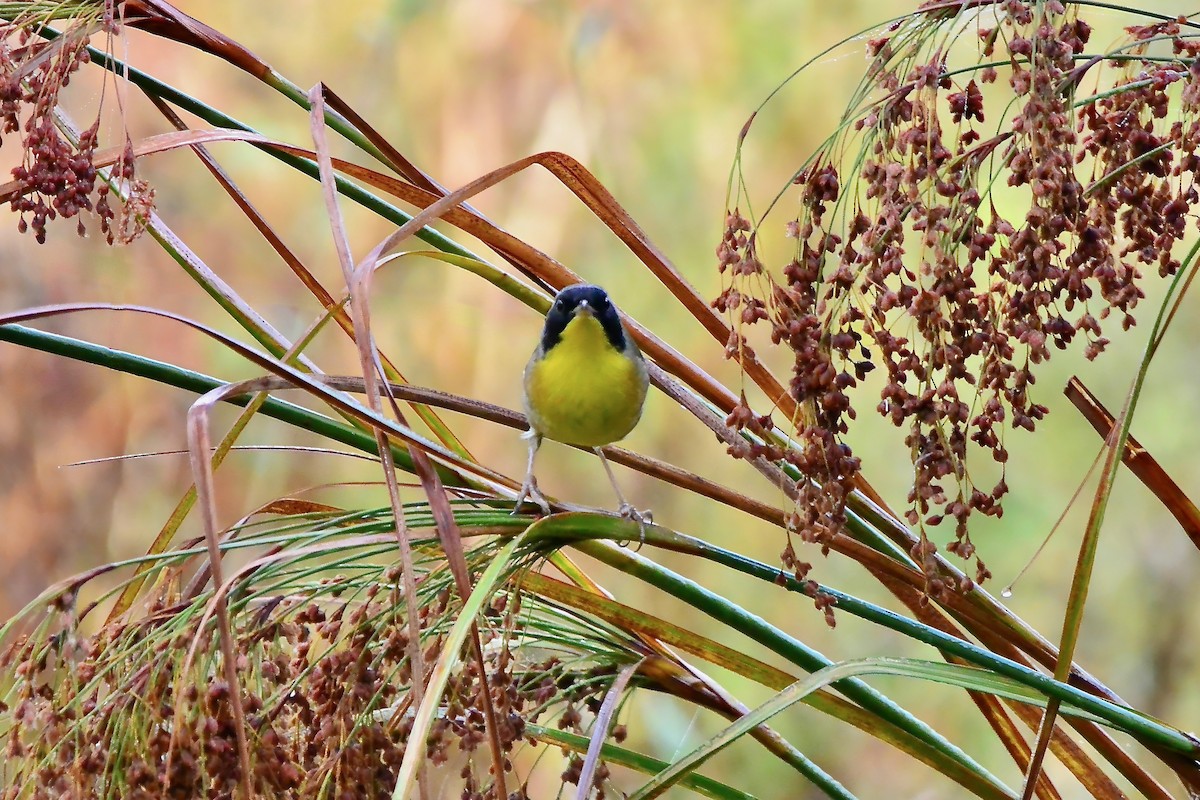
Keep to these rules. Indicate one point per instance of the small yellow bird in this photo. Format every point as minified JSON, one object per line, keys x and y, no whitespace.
{"x":584,"y":385}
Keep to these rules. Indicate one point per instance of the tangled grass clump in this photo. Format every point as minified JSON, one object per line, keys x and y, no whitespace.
{"x":324,"y":677}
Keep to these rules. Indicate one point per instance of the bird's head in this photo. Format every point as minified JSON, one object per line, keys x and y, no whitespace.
{"x":581,"y":301}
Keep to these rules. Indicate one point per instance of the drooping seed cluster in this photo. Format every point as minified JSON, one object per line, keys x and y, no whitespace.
{"x":57,"y":178}
{"x":955,"y":247}
{"x":142,"y":711}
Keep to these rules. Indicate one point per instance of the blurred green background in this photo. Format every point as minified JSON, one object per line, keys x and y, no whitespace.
{"x":650,"y":97}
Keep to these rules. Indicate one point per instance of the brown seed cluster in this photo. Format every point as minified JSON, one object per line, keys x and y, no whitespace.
{"x":57,"y":179}
{"x":325,"y":690}
{"x":955,"y":257}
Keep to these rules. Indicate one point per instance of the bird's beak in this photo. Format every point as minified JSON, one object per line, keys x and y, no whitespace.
{"x":585,"y":308}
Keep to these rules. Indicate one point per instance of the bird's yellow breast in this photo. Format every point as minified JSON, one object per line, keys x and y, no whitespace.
{"x":584,"y":391}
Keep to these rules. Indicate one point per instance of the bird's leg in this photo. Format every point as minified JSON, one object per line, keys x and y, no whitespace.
{"x":529,"y":488}
{"x":642,"y":518}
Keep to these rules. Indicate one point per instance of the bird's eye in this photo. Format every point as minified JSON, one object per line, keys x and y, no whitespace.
{"x":602,"y":302}
{"x":560,"y":304}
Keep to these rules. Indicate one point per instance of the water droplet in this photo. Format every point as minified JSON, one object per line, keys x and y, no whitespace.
{"x":1007,"y":592}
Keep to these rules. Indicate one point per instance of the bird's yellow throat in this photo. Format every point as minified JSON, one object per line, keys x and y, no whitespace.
{"x":583,"y":390}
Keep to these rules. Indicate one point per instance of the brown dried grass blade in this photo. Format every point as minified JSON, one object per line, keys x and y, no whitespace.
{"x":163,"y":19}
{"x":1139,"y":460}
{"x":396,"y":160}
{"x":291,"y":506}
{"x":199,"y":447}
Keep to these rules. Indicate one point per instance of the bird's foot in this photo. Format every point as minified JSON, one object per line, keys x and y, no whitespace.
{"x":642,"y":518}
{"x":531,"y":492}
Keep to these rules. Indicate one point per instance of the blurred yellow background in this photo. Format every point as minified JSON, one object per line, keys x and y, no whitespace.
{"x":650,"y":97}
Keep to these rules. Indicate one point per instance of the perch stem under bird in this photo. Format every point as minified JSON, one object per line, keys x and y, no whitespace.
{"x":585,"y":385}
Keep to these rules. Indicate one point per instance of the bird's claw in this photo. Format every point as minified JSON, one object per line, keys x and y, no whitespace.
{"x":642,"y":518}
{"x":531,"y":492}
